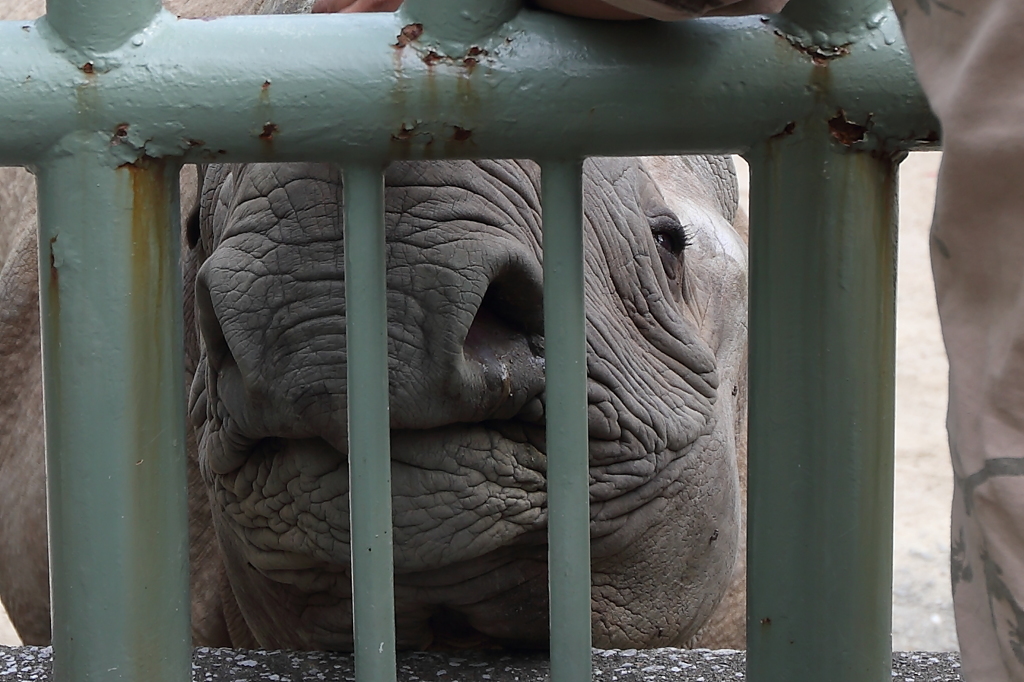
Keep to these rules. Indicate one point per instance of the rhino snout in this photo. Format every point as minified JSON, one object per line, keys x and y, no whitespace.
{"x":276,"y":368}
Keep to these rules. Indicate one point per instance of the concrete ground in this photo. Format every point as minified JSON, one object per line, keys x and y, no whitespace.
{"x":922,"y":606}
{"x":630,"y":665}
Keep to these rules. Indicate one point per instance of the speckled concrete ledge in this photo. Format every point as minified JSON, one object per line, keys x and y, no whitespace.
{"x":670,"y":665}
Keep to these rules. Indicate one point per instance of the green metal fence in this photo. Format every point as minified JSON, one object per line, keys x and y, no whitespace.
{"x":105,"y":99}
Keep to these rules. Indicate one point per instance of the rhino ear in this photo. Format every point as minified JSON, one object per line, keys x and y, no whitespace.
{"x":719,"y":172}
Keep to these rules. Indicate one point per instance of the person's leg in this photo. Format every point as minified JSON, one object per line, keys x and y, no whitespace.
{"x":970,"y":58}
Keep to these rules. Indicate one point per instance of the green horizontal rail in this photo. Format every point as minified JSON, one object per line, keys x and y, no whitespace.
{"x":223,"y":90}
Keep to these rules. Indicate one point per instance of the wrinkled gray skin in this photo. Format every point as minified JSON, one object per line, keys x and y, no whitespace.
{"x":265,"y":340}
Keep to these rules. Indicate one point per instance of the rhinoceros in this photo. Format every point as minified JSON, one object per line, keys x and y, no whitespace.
{"x":263,"y":270}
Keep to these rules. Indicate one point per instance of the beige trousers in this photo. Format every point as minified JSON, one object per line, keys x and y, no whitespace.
{"x":970,"y":59}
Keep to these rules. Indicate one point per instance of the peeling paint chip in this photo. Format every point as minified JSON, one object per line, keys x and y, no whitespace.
{"x":473,"y":56}
{"x":844,"y":130}
{"x":268,"y":131}
{"x":404,"y":133}
{"x":788,"y":130}
{"x":409,"y":33}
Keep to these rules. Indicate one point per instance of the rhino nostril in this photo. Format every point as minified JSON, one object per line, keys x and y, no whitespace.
{"x":487,"y":333}
{"x":504,"y":345}
{"x":511,"y":310}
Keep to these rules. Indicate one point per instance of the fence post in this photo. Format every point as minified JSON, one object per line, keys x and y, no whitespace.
{"x":93,"y":27}
{"x":110,"y":297}
{"x":369,"y":427}
{"x":822,"y":347}
{"x":568,"y":444}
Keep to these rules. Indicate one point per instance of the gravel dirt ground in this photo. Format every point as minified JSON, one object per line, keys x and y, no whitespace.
{"x":922,"y":606}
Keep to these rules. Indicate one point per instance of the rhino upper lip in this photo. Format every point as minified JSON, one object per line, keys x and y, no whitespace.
{"x":527,"y":426}
{"x":529,"y":430}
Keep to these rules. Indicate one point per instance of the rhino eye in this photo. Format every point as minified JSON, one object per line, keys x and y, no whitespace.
{"x":672,"y":241}
{"x":669,"y":242}
{"x":669,"y":234}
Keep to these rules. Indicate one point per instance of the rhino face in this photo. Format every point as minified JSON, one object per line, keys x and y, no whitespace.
{"x":665,"y":317}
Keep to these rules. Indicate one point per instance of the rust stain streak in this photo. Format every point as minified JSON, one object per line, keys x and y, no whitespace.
{"x":269,"y":130}
{"x":54,"y":273}
{"x":153,"y":332}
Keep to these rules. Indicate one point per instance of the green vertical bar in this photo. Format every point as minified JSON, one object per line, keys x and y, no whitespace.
{"x":461,"y":20}
{"x":822,"y":347}
{"x":96,"y":26}
{"x":373,"y":592}
{"x":110,"y":297}
{"x":567,"y":437}
{"x":833,"y":16}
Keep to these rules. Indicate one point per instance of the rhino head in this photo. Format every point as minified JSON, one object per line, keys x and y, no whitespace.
{"x":666,"y":339}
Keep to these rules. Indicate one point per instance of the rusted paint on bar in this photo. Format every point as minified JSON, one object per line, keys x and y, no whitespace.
{"x":156,"y":327}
